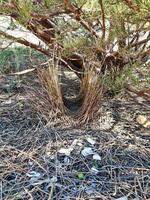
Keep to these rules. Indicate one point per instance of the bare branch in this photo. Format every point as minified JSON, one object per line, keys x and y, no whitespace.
{"x":103,"y":19}
{"x":26,"y":43}
{"x":77,"y":15}
{"x":131,"y":5}
{"x":140,"y":42}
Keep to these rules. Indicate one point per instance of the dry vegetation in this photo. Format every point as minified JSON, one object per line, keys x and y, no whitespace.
{"x":71,"y":125}
{"x":34,"y":167}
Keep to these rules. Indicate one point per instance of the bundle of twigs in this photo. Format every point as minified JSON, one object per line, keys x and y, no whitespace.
{"x":50,"y":103}
{"x":48,"y":98}
{"x":92,"y":92}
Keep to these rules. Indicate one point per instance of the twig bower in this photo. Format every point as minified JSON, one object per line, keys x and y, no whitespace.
{"x":56,"y":104}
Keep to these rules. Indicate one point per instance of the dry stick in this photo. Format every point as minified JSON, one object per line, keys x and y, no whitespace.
{"x":140,"y":42}
{"x":7,"y":46}
{"x":29,"y":193}
{"x":144,"y":45}
{"x":131,"y":5}
{"x":133,"y":39}
{"x":86,"y":26}
{"x":51,"y":192}
{"x":77,"y":14}
{"x":25,"y":42}
{"x":53,"y":14}
{"x":32,"y":26}
{"x":143,"y":92}
{"x":1,"y":190}
{"x":69,"y":6}
{"x":103,"y":18}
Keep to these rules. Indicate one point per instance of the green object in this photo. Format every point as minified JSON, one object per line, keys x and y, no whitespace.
{"x":18,"y":59}
{"x":80,"y":175}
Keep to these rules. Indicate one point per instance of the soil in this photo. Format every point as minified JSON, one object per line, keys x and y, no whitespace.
{"x":33,"y":167}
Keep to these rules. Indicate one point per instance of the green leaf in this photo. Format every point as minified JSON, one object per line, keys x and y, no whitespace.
{"x":80,"y":175}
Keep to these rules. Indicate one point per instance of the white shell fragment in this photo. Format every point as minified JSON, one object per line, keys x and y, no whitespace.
{"x":123,"y":198}
{"x":34,"y":176}
{"x":90,"y":140}
{"x":74,"y":143}
{"x":96,"y":157}
{"x":66,"y":160}
{"x":94,"y":170}
{"x":53,"y":179}
{"x":87,"y":151}
{"x":30,"y":163}
{"x":66,"y":151}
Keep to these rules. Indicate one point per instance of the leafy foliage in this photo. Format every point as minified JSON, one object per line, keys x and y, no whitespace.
{"x":18,"y":59}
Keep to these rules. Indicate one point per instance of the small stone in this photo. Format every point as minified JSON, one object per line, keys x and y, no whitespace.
{"x":80,"y":144}
{"x":52,"y":157}
{"x":33,"y":174}
{"x":143,"y":120}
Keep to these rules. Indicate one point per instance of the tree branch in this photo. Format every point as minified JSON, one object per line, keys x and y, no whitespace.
{"x":131,"y":5}
{"x":26,"y":43}
{"x":140,"y":42}
{"x":77,"y":15}
{"x":103,"y":19}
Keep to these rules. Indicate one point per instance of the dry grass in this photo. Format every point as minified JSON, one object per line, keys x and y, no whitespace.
{"x":92,"y":94}
{"x":49,"y":102}
{"x":47,"y":99}
{"x":27,"y":148}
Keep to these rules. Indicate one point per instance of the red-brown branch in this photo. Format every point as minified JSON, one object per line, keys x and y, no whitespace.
{"x":103,"y":18}
{"x":86,"y":26}
{"x":34,"y":46}
{"x":131,"y":5}
{"x":26,"y":43}
{"x":77,"y":15}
